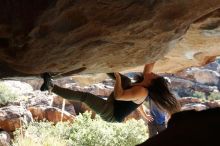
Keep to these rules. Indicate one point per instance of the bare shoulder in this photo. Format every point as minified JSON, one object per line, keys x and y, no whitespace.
{"x":133,"y":94}
{"x":140,"y":90}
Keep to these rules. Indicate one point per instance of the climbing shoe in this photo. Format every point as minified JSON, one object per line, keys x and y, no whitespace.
{"x":47,"y":84}
{"x":111,"y":75}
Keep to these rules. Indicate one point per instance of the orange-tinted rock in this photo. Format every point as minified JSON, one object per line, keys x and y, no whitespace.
{"x":12,"y":117}
{"x":187,"y":100}
{"x":57,"y":100}
{"x":37,"y":112}
{"x":189,"y":103}
{"x":50,"y":113}
{"x":55,"y":115}
{"x":10,"y":124}
{"x":212,"y":104}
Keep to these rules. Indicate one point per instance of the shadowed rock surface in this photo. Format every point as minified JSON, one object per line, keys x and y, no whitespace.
{"x":97,"y":36}
{"x":190,"y":128}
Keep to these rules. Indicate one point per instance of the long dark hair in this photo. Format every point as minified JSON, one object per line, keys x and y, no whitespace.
{"x":161,"y":95}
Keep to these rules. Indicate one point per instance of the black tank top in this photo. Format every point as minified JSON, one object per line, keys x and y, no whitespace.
{"x":123,"y":109}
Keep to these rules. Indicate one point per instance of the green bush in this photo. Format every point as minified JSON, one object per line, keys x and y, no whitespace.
{"x":200,"y":95}
{"x":214,"y":96}
{"x":42,"y":134}
{"x":6,"y":95}
{"x":84,"y":131}
{"x":96,"y":132}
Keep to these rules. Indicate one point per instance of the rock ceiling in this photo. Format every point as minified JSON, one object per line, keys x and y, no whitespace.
{"x":97,"y":36}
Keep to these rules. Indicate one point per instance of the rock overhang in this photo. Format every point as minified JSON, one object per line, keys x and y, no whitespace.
{"x":66,"y":37}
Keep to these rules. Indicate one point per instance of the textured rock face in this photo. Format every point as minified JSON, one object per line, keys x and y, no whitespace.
{"x":197,"y":47}
{"x":12,"y":117}
{"x":203,"y":76}
{"x":184,"y":87}
{"x":51,"y":114}
{"x":67,"y":37}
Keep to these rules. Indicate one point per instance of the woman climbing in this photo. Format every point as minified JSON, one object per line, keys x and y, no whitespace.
{"x":162,"y":103}
{"x":124,"y":99}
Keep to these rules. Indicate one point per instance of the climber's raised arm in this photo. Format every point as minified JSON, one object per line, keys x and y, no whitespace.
{"x":148,"y":68}
{"x":132,"y":94}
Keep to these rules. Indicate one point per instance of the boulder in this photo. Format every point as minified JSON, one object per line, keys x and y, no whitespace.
{"x":184,"y":87}
{"x":52,"y":114}
{"x":186,"y":100}
{"x":203,"y":76}
{"x":190,"y":103}
{"x":66,"y":37}
{"x":21,"y":88}
{"x":68,"y":106}
{"x":98,"y":89}
{"x":11,"y":117}
{"x":36,"y":82}
{"x":57,"y":100}
{"x":215,"y":66}
{"x":39,"y":98}
{"x":194,"y":106}
{"x":4,"y":138}
{"x":88,"y":79}
{"x":56,"y":115}
{"x":212,"y":104}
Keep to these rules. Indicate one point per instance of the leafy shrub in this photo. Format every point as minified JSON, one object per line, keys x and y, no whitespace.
{"x":214,"y":96}
{"x":42,"y":134}
{"x":6,"y":95}
{"x":96,"y":132}
{"x":200,"y":95}
{"x":84,"y":131}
